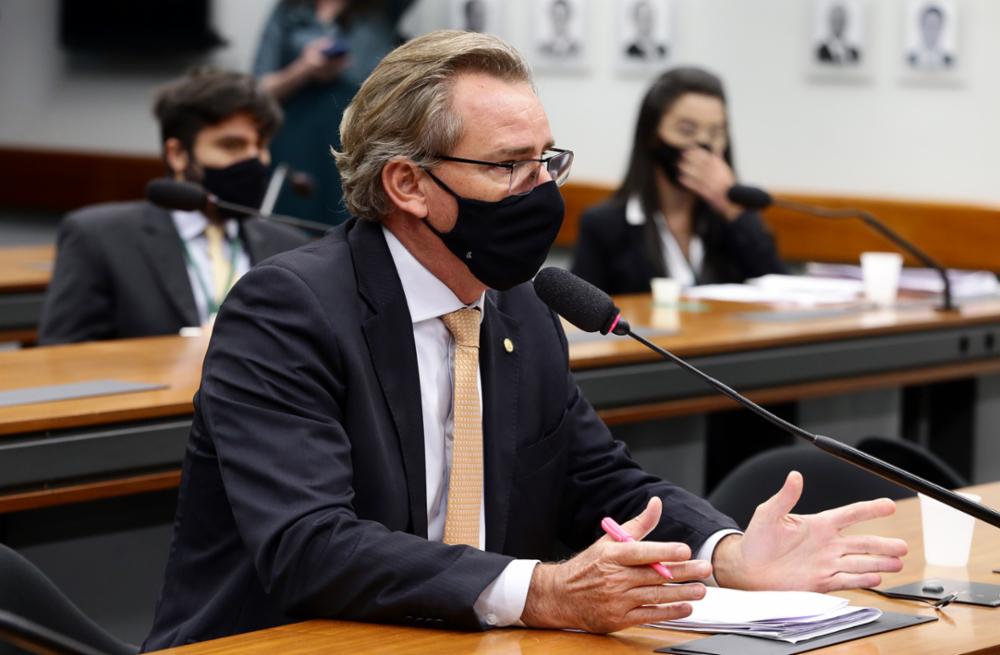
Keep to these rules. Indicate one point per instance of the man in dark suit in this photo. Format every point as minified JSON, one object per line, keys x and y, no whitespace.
{"x":132,"y":269}
{"x":387,"y":428}
{"x":836,"y":49}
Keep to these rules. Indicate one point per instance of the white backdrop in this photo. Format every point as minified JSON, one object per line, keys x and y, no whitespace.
{"x":888,"y":136}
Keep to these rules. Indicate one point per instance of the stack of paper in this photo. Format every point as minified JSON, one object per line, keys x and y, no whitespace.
{"x":791,"y":616}
{"x":782,"y":289}
{"x":964,"y":284}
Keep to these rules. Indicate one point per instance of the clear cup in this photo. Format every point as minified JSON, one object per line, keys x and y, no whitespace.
{"x":947,"y":532}
{"x":666,"y":291}
{"x":880,"y":274}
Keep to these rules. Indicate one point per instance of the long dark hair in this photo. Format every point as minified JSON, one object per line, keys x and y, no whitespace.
{"x":640,"y":179}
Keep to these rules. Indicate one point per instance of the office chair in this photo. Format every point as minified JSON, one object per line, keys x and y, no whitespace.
{"x":36,"y":617}
{"x":829,"y":483}
{"x":919,"y":461}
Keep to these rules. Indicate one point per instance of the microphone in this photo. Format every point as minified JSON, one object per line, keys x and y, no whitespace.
{"x":757,"y":199}
{"x":592,"y":310}
{"x":188,"y":196}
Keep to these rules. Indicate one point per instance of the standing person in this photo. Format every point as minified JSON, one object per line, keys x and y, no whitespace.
{"x":387,"y":428}
{"x":313,"y":55}
{"x":671,"y":217}
{"x":131,"y":269}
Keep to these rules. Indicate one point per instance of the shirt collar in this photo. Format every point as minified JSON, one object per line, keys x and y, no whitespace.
{"x":633,"y":212}
{"x":192,"y":224}
{"x":426,"y":296}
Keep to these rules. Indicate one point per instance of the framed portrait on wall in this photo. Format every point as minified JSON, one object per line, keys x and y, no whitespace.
{"x":560,"y":34}
{"x":838,"y":46}
{"x":477,"y":16}
{"x":645,"y":29}
{"x":931,"y":35}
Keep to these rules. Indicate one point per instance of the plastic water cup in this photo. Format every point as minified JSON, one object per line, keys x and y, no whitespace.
{"x":666,"y":290}
{"x":880,"y":273}
{"x":947,"y":532}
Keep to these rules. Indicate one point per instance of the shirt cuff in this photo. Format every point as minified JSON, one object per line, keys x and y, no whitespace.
{"x":707,"y":550}
{"x":502,"y":601}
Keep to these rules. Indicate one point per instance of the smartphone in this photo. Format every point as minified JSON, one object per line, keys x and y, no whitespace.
{"x":340,"y":48}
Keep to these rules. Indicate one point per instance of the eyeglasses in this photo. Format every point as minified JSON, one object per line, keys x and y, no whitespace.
{"x":523,"y":174}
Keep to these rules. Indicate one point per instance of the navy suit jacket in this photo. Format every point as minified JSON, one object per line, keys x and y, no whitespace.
{"x":120,"y":273}
{"x":303,"y":491}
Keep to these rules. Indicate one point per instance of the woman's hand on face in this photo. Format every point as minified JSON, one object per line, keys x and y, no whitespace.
{"x":709,"y":176}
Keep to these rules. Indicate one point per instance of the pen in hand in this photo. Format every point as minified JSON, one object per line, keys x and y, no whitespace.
{"x":615,"y":531}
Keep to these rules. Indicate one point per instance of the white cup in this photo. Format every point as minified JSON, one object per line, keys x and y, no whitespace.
{"x":880,"y":272}
{"x":666,"y":290}
{"x":947,"y":532}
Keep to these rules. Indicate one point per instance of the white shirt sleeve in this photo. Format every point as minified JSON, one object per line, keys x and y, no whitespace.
{"x":502,"y":601}
{"x":707,"y":550}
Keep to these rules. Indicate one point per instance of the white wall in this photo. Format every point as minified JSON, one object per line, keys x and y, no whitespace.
{"x":881,"y":137}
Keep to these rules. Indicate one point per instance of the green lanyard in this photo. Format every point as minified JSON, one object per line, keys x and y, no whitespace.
{"x":210,"y":301}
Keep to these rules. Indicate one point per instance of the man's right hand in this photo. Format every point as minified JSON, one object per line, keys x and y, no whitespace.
{"x":610,"y":586}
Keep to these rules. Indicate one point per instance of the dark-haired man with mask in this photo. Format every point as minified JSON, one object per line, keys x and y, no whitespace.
{"x":132,"y":269}
{"x":387,"y":429}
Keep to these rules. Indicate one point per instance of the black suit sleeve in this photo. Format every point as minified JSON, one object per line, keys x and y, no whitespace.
{"x":604,"y":480}
{"x":590,"y":257}
{"x":750,"y":244}
{"x":273,"y":400}
{"x":78,"y":303}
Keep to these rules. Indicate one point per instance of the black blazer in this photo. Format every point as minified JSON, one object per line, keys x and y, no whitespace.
{"x":615,"y":255}
{"x":303,"y":490}
{"x":120,"y":273}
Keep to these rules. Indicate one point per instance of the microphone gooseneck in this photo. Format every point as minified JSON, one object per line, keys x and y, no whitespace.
{"x":592,"y":310}
{"x":756,"y":198}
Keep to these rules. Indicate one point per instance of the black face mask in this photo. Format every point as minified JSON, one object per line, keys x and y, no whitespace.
{"x":669,"y":158}
{"x":243,"y":183}
{"x":504,"y":243}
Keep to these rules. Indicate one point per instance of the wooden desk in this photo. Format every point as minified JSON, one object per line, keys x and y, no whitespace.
{"x":67,"y":451}
{"x":961,"y":628}
{"x":24,"y":276}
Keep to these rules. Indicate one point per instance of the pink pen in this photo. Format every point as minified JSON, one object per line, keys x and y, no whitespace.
{"x":615,"y":531}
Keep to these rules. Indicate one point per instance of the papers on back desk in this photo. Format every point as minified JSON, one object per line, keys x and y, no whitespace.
{"x":791,"y":616}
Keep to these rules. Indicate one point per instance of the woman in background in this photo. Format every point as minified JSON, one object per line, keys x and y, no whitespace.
{"x":671,"y":217}
{"x":313,"y":56}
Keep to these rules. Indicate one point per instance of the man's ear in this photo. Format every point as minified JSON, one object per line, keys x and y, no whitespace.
{"x":403,"y":183}
{"x":176,"y":157}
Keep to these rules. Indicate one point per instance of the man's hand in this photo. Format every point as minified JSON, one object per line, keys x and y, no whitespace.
{"x":610,"y":586}
{"x":709,"y":176}
{"x":781,"y":550}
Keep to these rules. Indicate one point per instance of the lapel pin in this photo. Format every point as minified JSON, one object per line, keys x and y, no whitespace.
{"x":508,"y":345}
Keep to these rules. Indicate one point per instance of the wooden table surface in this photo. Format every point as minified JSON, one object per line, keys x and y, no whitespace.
{"x":960,"y":628}
{"x":26,"y":268}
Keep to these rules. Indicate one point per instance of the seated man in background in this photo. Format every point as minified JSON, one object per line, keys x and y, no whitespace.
{"x":131,"y":269}
{"x":387,"y":428}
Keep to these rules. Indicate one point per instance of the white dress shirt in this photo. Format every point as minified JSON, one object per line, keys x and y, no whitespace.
{"x":502,"y":601}
{"x":683,"y":269}
{"x":191,"y":228}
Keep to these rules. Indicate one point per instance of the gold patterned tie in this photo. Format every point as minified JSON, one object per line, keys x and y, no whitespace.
{"x":465,"y":483}
{"x":220,"y":265}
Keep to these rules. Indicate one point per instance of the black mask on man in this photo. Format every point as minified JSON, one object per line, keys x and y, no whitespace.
{"x":669,"y":158}
{"x":243,"y":183}
{"x":504,"y":243}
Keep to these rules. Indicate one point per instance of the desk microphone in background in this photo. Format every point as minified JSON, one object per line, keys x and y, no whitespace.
{"x":592,"y":310}
{"x":188,"y":196}
{"x":757,"y":199}
{"x":301,"y":183}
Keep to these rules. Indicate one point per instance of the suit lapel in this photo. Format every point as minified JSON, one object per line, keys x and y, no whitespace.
{"x":253,"y":241}
{"x":389,"y":335}
{"x":165,"y":254}
{"x":499,"y":369}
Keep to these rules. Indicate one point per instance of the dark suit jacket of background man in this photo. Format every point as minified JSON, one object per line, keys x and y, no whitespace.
{"x":120,"y":272}
{"x":303,"y":490}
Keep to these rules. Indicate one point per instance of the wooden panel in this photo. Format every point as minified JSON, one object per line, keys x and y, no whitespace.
{"x":60,"y":180}
{"x":960,"y":629}
{"x":26,"y":268}
{"x":959,"y":235}
{"x":97,"y":490}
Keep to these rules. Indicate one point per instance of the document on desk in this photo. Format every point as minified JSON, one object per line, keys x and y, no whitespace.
{"x":790,"y":616}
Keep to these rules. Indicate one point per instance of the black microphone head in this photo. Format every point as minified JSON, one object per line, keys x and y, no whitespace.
{"x":173,"y":194}
{"x":750,"y":197}
{"x":578,"y":301}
